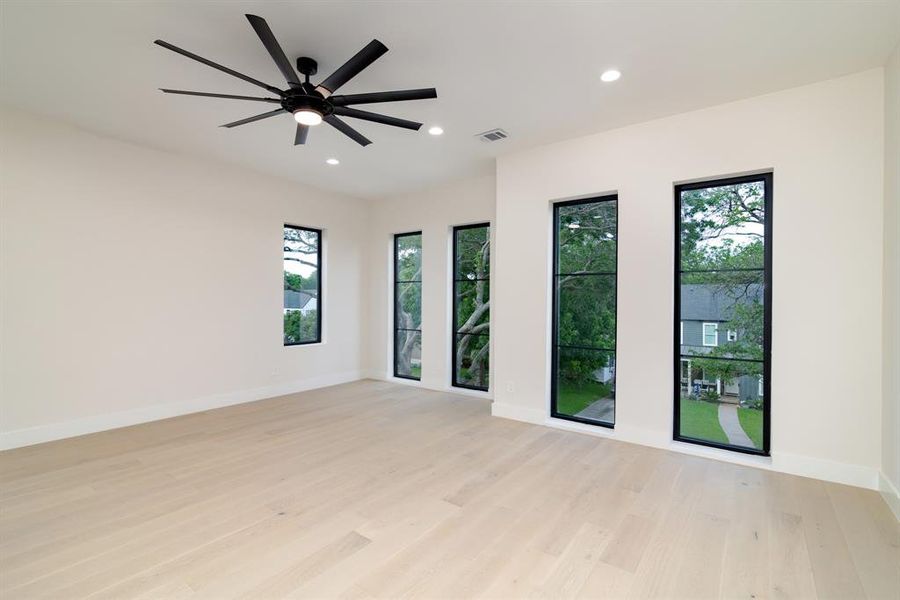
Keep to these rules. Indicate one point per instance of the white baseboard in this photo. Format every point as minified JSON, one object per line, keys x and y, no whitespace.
{"x":805,"y":466}
{"x":465,"y":392}
{"x":518,"y":413}
{"x":827,"y":470}
{"x":58,"y":431}
{"x":379,"y":376}
{"x":890,"y":493}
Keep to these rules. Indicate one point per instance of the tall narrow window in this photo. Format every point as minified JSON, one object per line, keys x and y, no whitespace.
{"x":583,"y":384}
{"x":302,"y":285}
{"x":408,"y":305}
{"x":723,"y":283}
{"x":471,"y":305}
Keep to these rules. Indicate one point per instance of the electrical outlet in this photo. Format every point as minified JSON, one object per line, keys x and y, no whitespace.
{"x":510,"y":387}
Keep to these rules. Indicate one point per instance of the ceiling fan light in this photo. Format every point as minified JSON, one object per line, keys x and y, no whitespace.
{"x":305,"y":116}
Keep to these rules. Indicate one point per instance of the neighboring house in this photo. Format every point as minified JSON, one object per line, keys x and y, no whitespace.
{"x":302,"y":301}
{"x":705,"y":312}
{"x":607,"y":374}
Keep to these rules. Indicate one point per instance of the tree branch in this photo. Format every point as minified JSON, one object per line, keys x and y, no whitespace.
{"x":301,"y":261}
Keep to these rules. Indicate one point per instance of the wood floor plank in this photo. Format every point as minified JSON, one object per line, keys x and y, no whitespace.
{"x":790,"y":571}
{"x":659,"y":567}
{"x":388,"y":540}
{"x":576,"y":563}
{"x":607,"y":581}
{"x":747,"y":540}
{"x":833,"y":570}
{"x":377,"y":490}
{"x":873,"y":538}
{"x":627,"y":546}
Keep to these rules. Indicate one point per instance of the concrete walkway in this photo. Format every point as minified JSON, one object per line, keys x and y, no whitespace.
{"x":600,"y":410}
{"x":728,"y":419}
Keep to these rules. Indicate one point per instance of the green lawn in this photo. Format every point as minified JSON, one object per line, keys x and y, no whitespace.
{"x":573,"y":398}
{"x":752,"y":422}
{"x":700,"y":420}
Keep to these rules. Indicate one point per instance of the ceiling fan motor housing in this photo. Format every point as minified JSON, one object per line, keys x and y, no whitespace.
{"x":307,"y":66}
{"x":306,"y":97}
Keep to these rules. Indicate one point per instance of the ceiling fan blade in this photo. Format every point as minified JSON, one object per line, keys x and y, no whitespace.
{"x":265,"y":115}
{"x":352,"y":67}
{"x":210,"y":63}
{"x":375,"y":117}
{"x":396,"y":96}
{"x":302,"y":134}
{"x":268,"y":39}
{"x":347,"y":130}
{"x":208,"y":95}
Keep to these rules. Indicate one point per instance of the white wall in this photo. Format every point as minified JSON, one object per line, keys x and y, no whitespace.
{"x":824,"y":143}
{"x":434,"y":211}
{"x":137,"y":284}
{"x":891,"y":330}
{"x":109,"y":252}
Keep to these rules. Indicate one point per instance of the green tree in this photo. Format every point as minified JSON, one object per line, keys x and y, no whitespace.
{"x":722,"y":227}
{"x":586,"y":262}
{"x":722,"y":239}
{"x":472,"y":304}
{"x":299,"y":326}
{"x":293,"y":281}
{"x":301,"y":246}
{"x":298,"y":283}
{"x":408,"y":299}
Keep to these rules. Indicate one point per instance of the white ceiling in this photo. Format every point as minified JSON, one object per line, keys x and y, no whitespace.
{"x":531,"y":68}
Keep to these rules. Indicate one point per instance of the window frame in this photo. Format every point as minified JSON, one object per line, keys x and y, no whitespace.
{"x":730,"y":335}
{"x":320,"y":304}
{"x":554,"y":328}
{"x":453,"y":329}
{"x":766,"y":178}
{"x":715,"y":333}
{"x":397,"y":282}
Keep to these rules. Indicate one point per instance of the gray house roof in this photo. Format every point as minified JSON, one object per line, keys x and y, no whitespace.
{"x":714,"y":302}
{"x":294,"y":299}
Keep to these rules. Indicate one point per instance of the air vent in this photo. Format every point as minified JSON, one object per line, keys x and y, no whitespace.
{"x":493,"y":135}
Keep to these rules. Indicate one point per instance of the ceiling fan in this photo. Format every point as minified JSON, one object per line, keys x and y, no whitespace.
{"x":311,"y":104}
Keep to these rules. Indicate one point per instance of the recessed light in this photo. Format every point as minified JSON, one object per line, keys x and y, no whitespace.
{"x":435,"y":130}
{"x":333,"y":161}
{"x":610,"y":75}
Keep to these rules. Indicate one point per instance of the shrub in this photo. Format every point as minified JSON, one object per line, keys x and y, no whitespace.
{"x":709,"y":396}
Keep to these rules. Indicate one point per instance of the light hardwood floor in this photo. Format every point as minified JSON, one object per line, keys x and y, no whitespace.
{"x":377,"y":490}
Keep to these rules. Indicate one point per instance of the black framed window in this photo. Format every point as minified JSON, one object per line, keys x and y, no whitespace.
{"x":408,"y":305}
{"x":471,"y":306}
{"x":723,"y":323}
{"x":302,"y":285}
{"x":583,"y":377}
